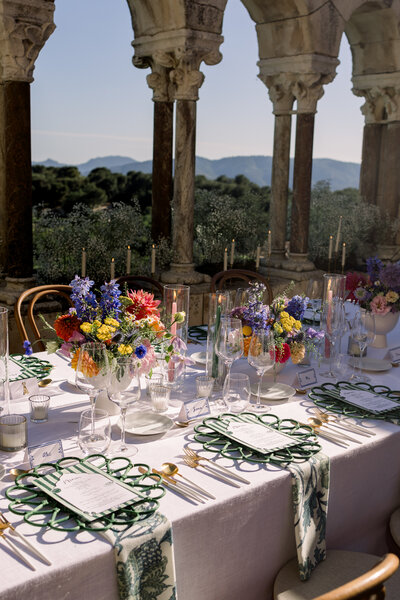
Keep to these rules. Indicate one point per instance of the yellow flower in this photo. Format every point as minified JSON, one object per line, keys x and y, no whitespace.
{"x":247,"y":330}
{"x":125,"y":349}
{"x":278,"y":328}
{"x":112,"y":322}
{"x":97,"y":322}
{"x":86,"y":327}
{"x":297,"y":325}
{"x":297,"y":352}
{"x":287,"y":322}
{"x":392,"y":297}
{"x":104,"y":332}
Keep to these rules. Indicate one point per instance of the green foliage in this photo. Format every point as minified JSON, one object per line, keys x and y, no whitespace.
{"x":220,"y":218}
{"x":363,"y":225}
{"x":105,"y":234}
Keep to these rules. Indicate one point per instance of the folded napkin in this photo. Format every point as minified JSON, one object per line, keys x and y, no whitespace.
{"x":310,"y":492}
{"x":144,"y":559}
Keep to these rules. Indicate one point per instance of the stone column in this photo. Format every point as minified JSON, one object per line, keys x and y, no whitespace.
{"x":25,"y":28}
{"x":279,"y":89}
{"x":371,"y":150}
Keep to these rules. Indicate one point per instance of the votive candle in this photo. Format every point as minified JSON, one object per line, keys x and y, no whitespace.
{"x":153,"y":259}
{"x":232,"y":252}
{"x":226,"y":259}
{"x":112,"y":269}
{"x":83,"y":267}
{"x":128,"y":260}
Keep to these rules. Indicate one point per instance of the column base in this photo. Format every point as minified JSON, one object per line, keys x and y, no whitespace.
{"x":297,"y":268}
{"x":277,"y":259}
{"x":184,"y":273}
{"x":14,"y":287}
{"x":389,"y":253}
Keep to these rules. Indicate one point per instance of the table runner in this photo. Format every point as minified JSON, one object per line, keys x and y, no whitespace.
{"x":310,"y":493}
{"x":144,"y":559}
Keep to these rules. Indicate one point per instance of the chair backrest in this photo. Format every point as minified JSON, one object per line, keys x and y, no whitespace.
{"x":369,"y":586}
{"x":219,"y":280}
{"x":38,"y":292}
{"x":141,"y":282}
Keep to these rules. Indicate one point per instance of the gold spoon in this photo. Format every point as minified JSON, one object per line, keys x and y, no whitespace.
{"x":181,"y":423}
{"x":317,"y":423}
{"x":44,"y":382}
{"x":170,"y":470}
{"x":15,"y":472}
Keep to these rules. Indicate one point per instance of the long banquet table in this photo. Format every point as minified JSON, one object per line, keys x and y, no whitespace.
{"x":228,"y":548}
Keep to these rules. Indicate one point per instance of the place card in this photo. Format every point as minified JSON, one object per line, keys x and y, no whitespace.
{"x":88,"y":491}
{"x":194,"y":409}
{"x":307,"y":377}
{"x":254,"y":435}
{"x":45,"y":453}
{"x":394,"y":354}
{"x":374,"y":403}
{"x":23,"y":388}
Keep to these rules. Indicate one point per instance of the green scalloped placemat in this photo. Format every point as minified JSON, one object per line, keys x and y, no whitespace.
{"x":326,"y":396}
{"x":40,"y":510}
{"x":30,"y":366}
{"x":307,"y":446}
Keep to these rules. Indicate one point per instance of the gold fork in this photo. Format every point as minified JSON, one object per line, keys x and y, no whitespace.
{"x":4,"y":526}
{"x":197,"y":458}
{"x":192,"y":463}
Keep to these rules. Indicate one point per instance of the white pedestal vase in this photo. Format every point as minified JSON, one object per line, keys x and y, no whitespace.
{"x":383,"y":325}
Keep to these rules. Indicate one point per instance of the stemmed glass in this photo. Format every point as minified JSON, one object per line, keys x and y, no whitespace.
{"x":314,"y":293}
{"x":94,"y":431}
{"x":124,"y":389}
{"x":363,"y":333}
{"x":333,"y":323}
{"x":229,"y":345}
{"x":262,"y":357}
{"x":92,"y":370}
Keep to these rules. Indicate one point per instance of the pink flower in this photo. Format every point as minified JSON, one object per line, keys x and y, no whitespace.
{"x":65,"y":349}
{"x":379,"y":306}
{"x":77,"y":337}
{"x":149,"y":361}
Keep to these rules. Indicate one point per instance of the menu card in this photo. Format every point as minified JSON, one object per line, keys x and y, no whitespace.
{"x":254,"y":435}
{"x":87,"y":491}
{"x":374,"y":403}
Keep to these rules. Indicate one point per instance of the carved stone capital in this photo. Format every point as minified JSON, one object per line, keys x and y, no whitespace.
{"x":175,"y":59}
{"x":308,"y":89}
{"x":382,"y":104}
{"x":280,"y":92}
{"x":25,"y":25}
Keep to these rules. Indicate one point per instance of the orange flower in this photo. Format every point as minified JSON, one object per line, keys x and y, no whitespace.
{"x":66,"y":325}
{"x":143,"y":304}
{"x":88,"y":366}
{"x":246,"y":345}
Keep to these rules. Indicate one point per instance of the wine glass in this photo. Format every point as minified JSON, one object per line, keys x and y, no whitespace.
{"x":262,"y":357}
{"x":124,"y":389}
{"x":333,"y":323}
{"x":92,"y":370}
{"x":314,"y":294}
{"x":94,"y":431}
{"x":363,"y":333}
{"x":229,"y":345}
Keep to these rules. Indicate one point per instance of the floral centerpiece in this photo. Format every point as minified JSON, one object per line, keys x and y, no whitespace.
{"x":129,"y":325}
{"x":283,"y":317}
{"x":379,"y":291}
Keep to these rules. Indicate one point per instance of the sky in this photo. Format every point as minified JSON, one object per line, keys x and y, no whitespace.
{"x":88,"y":100}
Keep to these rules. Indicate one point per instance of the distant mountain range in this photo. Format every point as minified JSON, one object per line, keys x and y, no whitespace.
{"x":256,"y":168}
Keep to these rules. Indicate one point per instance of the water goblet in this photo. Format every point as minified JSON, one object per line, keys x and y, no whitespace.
{"x":94,"y":431}
{"x":363,"y":333}
{"x":229,"y":345}
{"x":124,"y":390}
{"x":237,"y":392}
{"x":261,"y":356}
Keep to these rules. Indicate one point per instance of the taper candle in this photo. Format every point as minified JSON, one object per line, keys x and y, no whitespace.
{"x":153,"y":259}
{"x":338,"y":235}
{"x":258,"y":257}
{"x":226,"y":259}
{"x":128,"y":260}
{"x":269,"y":243}
{"x":112,"y":269}
{"x":330,"y":247}
{"x":83,"y":267}
{"x":232,"y":252}
{"x":343,"y":254}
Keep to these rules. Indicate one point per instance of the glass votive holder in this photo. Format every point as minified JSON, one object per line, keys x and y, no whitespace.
{"x":155,"y":379}
{"x":39,"y":408}
{"x":13,"y":433}
{"x":159,"y":397}
{"x":204,"y":386}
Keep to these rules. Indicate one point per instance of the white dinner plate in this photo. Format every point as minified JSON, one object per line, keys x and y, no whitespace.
{"x":199,"y":357}
{"x":371,"y":364}
{"x":147,"y":423}
{"x":274,"y":391}
{"x":309,"y":315}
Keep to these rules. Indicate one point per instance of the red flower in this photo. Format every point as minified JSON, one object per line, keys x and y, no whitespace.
{"x":353,"y":281}
{"x":66,"y":325}
{"x":143,"y":304}
{"x":282,"y":354}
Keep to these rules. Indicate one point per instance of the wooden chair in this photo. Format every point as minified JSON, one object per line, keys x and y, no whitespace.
{"x":141,"y":282}
{"x":342,"y":576}
{"x":219,"y":280}
{"x":62,"y":291}
{"x":394,"y":527}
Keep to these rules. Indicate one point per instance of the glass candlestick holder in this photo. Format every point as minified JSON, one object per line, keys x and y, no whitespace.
{"x":218,"y":305}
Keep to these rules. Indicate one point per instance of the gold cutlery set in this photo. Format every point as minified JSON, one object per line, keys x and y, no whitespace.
{"x":8,"y":531}
{"x":333,"y":427}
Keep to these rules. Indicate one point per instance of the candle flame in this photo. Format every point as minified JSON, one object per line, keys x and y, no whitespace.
{"x":129,"y":247}
{"x":174,"y":296}
{"x":83,"y":249}
{"x":153,"y":246}
{"x":112,"y":260}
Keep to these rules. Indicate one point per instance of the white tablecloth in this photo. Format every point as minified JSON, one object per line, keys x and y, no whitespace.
{"x":228,"y":548}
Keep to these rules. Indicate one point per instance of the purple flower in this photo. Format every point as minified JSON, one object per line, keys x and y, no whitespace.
{"x":109,"y":301}
{"x":374,"y":266}
{"x":141,"y":351}
{"x":390,"y":276}
{"x":361,"y":294}
{"x":84,"y":300}
{"x":296,"y":307}
{"x":28,"y":348}
{"x":313,"y":334}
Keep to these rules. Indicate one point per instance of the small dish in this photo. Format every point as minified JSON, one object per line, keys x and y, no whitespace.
{"x":274,"y":391}
{"x":371,"y":364}
{"x":147,"y":423}
{"x":199,"y":357}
